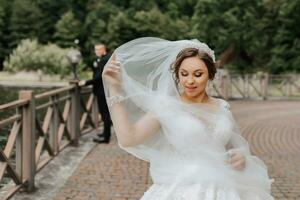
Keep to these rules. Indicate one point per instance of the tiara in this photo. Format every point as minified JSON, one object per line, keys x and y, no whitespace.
{"x":202,"y":47}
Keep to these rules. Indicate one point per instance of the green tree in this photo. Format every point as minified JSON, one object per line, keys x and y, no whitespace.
{"x":29,"y":55}
{"x":96,"y":26}
{"x":177,"y":8}
{"x":96,"y":22}
{"x":155,"y":23}
{"x":247,"y":35}
{"x":68,"y":28}
{"x":24,"y":21}
{"x":262,"y":35}
{"x":116,"y":23}
{"x":79,"y":8}
{"x":232,"y":23}
{"x":50,"y":14}
{"x":286,"y":41}
{"x":4,"y":17}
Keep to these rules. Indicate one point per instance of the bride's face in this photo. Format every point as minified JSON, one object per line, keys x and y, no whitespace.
{"x":193,"y":76}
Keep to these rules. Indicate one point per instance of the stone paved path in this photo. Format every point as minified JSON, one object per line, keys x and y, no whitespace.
{"x":107,"y":173}
{"x":271,"y":127}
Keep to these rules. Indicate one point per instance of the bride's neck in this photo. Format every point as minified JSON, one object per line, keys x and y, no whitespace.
{"x":201,"y":98}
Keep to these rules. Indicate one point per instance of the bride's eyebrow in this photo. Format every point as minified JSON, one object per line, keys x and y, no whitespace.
{"x":183,"y":70}
{"x":194,"y":71}
{"x":201,"y":70}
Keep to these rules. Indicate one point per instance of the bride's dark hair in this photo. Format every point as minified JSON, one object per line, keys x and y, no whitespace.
{"x":192,"y":52}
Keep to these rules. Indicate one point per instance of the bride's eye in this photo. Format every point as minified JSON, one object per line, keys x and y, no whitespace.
{"x":183,"y":74}
{"x":198,"y":74}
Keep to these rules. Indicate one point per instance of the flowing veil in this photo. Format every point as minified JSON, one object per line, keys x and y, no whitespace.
{"x":184,"y":150}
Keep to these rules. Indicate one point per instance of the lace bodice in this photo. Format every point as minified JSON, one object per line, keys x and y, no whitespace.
{"x":219,"y":130}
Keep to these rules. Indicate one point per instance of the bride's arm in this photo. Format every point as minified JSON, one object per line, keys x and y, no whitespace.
{"x":131,"y":134}
{"x":128,"y":134}
{"x":236,"y":159}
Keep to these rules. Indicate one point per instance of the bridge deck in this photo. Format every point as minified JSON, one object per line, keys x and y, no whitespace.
{"x":271,"y":127}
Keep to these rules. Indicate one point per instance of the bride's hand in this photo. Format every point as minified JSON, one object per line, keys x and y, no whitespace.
{"x":237,"y":161}
{"x":111,"y":73}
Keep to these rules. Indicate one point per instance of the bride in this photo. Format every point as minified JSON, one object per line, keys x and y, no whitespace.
{"x":156,"y":92}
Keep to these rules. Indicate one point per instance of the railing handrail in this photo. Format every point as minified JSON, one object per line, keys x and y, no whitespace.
{"x":256,"y":86}
{"x":54,"y":92}
{"x":13,"y":104}
{"x":33,"y":136}
{"x":10,"y":120}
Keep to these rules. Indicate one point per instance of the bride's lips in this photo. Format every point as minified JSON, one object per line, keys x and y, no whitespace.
{"x":190,"y":88}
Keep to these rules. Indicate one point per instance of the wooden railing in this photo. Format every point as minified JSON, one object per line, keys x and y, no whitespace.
{"x":256,"y":86}
{"x":40,"y":127}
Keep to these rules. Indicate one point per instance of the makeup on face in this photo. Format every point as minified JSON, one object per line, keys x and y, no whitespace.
{"x":193,"y":76}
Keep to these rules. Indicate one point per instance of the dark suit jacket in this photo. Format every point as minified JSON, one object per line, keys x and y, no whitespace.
{"x":96,"y":81}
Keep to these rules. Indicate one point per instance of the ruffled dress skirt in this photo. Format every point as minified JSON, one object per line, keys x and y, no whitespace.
{"x":198,"y":192}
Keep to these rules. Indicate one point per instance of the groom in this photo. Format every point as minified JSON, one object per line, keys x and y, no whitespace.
{"x":98,"y":90}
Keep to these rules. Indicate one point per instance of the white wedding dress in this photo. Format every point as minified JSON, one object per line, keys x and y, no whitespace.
{"x":188,"y":154}
{"x":188,"y":162}
{"x":199,"y":191}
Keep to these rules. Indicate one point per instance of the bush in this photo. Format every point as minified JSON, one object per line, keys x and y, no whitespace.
{"x":32,"y":56}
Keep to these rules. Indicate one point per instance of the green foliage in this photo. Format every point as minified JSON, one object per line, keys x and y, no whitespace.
{"x":24,"y":21}
{"x":114,"y":25}
{"x":51,"y":12}
{"x":264,"y":33}
{"x":95,"y":27}
{"x":155,"y":23}
{"x":234,"y":22}
{"x":68,"y":28}
{"x":31,"y":56}
{"x":96,"y":24}
{"x":3,"y":30}
{"x":286,"y":37}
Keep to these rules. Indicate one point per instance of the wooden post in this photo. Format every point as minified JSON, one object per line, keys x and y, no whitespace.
{"x":95,"y":112}
{"x":247,"y":92}
{"x":28,"y":137}
{"x":75,"y":113}
{"x":265,"y":84}
{"x":69,"y":125}
{"x":225,"y":85}
{"x":19,"y":147}
{"x":289,"y":84}
{"x":54,"y":123}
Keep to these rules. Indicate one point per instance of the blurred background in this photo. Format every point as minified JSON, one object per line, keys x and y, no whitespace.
{"x":249,"y":36}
